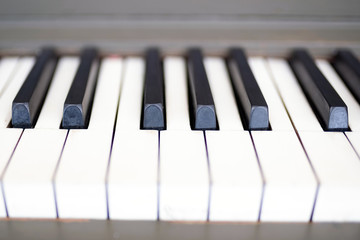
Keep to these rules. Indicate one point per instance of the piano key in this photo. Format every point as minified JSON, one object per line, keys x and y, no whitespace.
{"x":202,"y":109}
{"x":177,"y":111}
{"x":107,"y":93}
{"x":278,"y":117}
{"x":132,"y":177}
{"x":52,"y":110}
{"x":15,"y":82}
{"x":236,"y":182}
{"x":294,"y":100}
{"x":80,"y":177}
{"x":78,"y":101}
{"x":248,"y":92}
{"x":129,"y":112}
{"x":27,"y":182}
{"x":7,"y":69}
{"x":334,"y":161}
{"x":27,"y":103}
{"x":347,"y":66}
{"x":227,"y":113}
{"x":8,"y":141}
{"x":343,"y":91}
{"x":154,"y":107}
{"x":327,"y":104}
{"x":290,"y":185}
{"x":183,"y":170}
{"x":184,"y":186}
{"x":27,"y":192}
{"x":338,"y":168}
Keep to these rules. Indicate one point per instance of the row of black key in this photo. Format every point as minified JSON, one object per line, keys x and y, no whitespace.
{"x":326,"y":103}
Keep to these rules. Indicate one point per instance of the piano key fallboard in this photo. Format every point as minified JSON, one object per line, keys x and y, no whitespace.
{"x":180,"y":138}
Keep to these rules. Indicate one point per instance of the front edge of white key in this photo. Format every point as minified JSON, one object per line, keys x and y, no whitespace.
{"x":237,"y":184}
{"x":27,"y":181}
{"x":184,"y":177}
{"x":290,"y":184}
{"x":133,"y":176}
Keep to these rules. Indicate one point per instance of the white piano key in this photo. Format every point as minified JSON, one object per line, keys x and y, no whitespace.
{"x":338,"y":169}
{"x":132,"y":178}
{"x":52,"y":110}
{"x":290,"y":185}
{"x":7,"y":69}
{"x":27,"y":181}
{"x":184,"y":186}
{"x":129,"y":112}
{"x":344,"y":93}
{"x":236,"y":187}
{"x":278,"y":117}
{"x":8,"y":141}
{"x":107,"y":95}
{"x":15,"y":83}
{"x":294,"y":99}
{"x":221,"y":89}
{"x":184,"y":178}
{"x":177,"y":108}
{"x":80,"y":177}
{"x":132,"y":182}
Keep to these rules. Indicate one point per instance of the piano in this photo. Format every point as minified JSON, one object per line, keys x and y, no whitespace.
{"x":179,"y":119}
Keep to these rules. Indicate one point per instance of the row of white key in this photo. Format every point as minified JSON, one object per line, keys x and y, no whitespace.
{"x":225,"y":175}
{"x":332,"y":157}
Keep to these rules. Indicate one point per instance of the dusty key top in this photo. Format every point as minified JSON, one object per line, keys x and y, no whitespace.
{"x":28,"y":101}
{"x":79,"y":98}
{"x":347,"y":66}
{"x":202,"y":108}
{"x":154,"y":105}
{"x":247,"y":92}
{"x":326,"y":103}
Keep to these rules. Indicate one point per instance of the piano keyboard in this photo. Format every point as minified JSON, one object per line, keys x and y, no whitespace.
{"x":193,"y":138}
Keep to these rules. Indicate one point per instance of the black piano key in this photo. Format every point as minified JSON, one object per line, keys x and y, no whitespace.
{"x":153,"y":106}
{"x":327,"y":104}
{"x":247,"y":92}
{"x":78,"y":101}
{"x":28,"y":101}
{"x":347,"y":66}
{"x":203,"y":115}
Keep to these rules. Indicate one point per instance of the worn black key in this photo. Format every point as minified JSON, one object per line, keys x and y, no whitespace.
{"x":347,"y":66}
{"x":153,"y":106}
{"x":78,"y":101}
{"x":203,"y":116}
{"x":326,"y":103}
{"x":28,"y":101}
{"x":247,"y":92}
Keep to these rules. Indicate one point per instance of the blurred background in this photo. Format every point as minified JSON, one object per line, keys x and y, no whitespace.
{"x":263,"y":27}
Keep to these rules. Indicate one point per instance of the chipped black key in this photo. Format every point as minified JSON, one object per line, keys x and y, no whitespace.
{"x":247,"y":92}
{"x":201,"y":101}
{"x":78,"y":101}
{"x":326,"y":103}
{"x":28,"y":101}
{"x":153,"y":106}
{"x":347,"y":66}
